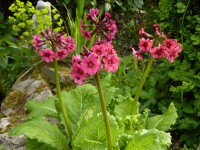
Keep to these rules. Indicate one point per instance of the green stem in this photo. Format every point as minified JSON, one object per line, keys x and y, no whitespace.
{"x":182,"y":25}
{"x":61,"y":102}
{"x":105,"y":114}
{"x":142,"y":81}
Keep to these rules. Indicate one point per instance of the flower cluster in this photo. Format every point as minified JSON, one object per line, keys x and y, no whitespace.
{"x":102,"y":55}
{"x":103,"y":25}
{"x":61,"y":46}
{"x":161,"y":47}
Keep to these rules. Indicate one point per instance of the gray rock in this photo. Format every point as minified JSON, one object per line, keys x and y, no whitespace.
{"x":4,"y":122}
{"x":31,"y":87}
{"x":50,"y":74}
{"x":12,"y":143}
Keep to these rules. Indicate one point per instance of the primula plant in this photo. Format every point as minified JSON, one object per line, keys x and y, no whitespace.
{"x":80,"y":122}
{"x":155,"y":47}
{"x":102,"y":55}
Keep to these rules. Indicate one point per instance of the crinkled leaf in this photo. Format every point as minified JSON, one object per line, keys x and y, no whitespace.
{"x":43,"y":108}
{"x":92,"y":134}
{"x":126,"y":107}
{"x":152,"y":139}
{"x":78,"y":100}
{"x":164,"y":121}
{"x":32,"y":144}
{"x":108,"y":91}
{"x":43,"y":131}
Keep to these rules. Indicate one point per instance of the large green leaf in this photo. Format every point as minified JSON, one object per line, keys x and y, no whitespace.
{"x":92,"y":134}
{"x":32,"y":144}
{"x":152,"y":139}
{"x":126,"y":107}
{"x":78,"y":100}
{"x":43,"y":131}
{"x":164,"y":121}
{"x":43,"y":108}
{"x":108,"y":90}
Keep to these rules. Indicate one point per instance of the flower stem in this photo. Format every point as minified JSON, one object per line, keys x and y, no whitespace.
{"x":61,"y":102}
{"x":105,"y":114}
{"x":142,"y":81}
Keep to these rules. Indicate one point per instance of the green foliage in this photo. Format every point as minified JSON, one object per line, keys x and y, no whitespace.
{"x":82,"y":105}
{"x":33,"y":144}
{"x":92,"y":134}
{"x":125,"y":107}
{"x":179,"y":81}
{"x":164,"y":121}
{"x":149,"y":140}
{"x":164,"y":9}
{"x":43,"y":131}
{"x":40,"y":109}
{"x":74,"y":26}
{"x":77,"y":101}
{"x":16,"y":39}
{"x":13,"y":56}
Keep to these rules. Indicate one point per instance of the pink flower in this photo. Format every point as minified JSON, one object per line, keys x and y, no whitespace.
{"x":86,"y":34}
{"x":111,"y":63}
{"x":68,"y":43}
{"x":47,"y":55}
{"x":169,"y":43}
{"x":101,"y":25}
{"x":37,"y":42}
{"x":60,"y":54}
{"x":78,"y":74}
{"x":92,"y":14}
{"x":112,"y":27}
{"x":137,"y":54}
{"x":76,"y":59}
{"x":173,"y":48}
{"x":143,"y":33}
{"x":109,"y":48}
{"x":91,"y":64}
{"x":107,"y":15}
{"x":173,"y":52}
{"x":145,"y":45}
{"x":100,"y":50}
{"x":158,"y":52}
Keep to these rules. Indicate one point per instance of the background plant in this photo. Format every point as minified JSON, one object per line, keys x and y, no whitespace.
{"x":16,"y":40}
{"x":180,"y":83}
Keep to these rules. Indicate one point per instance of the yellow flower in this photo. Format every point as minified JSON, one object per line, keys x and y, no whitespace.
{"x":56,"y":16}
{"x":21,"y":24}
{"x":12,"y":19}
{"x":12,"y":7}
{"x":21,"y":37}
{"x":60,"y":22}
{"x":29,"y":22}
{"x":17,"y":15}
{"x":54,"y":11}
{"x":21,"y":10}
{"x":26,"y":33}
{"x":29,"y":4}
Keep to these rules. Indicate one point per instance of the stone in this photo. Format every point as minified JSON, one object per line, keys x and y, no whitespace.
{"x":64,"y":74}
{"x":12,"y":143}
{"x":4,"y":122}
{"x":30,"y":89}
{"x":13,"y":111}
